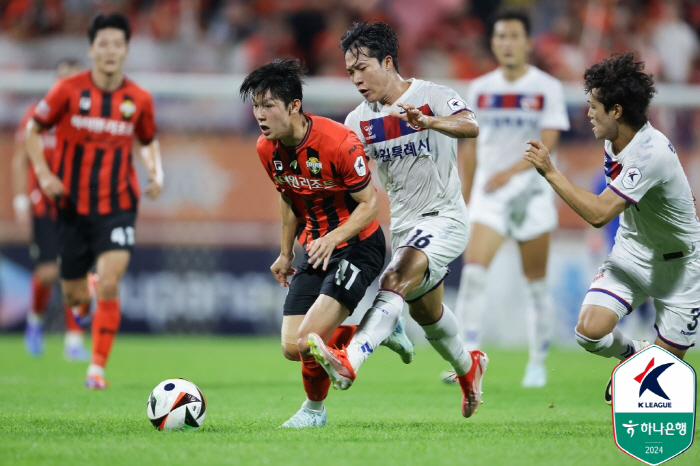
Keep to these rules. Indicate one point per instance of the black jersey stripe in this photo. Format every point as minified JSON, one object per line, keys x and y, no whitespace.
{"x":61,"y":161}
{"x":95,"y":179}
{"x":331,"y":213}
{"x":75,"y":172}
{"x":311,"y":215}
{"x":114,"y":180}
{"x":106,"y":111}
{"x":85,"y":102}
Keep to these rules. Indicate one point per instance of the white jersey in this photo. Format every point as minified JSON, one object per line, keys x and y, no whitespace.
{"x":662,"y":224}
{"x":510,"y":114}
{"x":417,"y":167}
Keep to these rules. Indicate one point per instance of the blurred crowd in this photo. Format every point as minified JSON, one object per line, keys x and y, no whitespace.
{"x":439,"y":38}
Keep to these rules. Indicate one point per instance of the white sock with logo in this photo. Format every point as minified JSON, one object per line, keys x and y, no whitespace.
{"x":312,"y":405}
{"x":613,"y":345}
{"x":377,"y":324}
{"x":540,"y":320}
{"x":443,"y":335}
{"x":470,"y":304}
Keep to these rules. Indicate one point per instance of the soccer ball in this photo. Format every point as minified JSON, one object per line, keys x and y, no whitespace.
{"x":176,"y":404}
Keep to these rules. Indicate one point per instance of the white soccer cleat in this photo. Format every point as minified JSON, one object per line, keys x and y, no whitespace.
{"x":399,"y":343}
{"x":306,"y":418}
{"x":535,"y":376}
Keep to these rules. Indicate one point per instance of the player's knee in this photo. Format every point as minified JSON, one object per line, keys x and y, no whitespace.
{"x":73,"y":297}
{"x":303,"y":347}
{"x":46,"y":274}
{"x":589,"y":327}
{"x":108,"y":288}
{"x":393,"y":279}
{"x":584,"y":341}
{"x":291,"y":352}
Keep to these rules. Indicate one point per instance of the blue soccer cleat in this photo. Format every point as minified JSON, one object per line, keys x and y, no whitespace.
{"x":34,"y":339}
{"x":399,"y":343}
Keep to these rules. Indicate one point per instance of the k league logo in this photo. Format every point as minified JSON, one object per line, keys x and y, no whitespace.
{"x":653,"y":404}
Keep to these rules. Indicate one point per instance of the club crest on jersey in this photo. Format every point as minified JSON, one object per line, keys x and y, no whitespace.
{"x":600,"y":274}
{"x":314,"y":165}
{"x":127,"y":108}
{"x":84,"y":103}
{"x":632,"y":177}
{"x":368,"y":132}
{"x":457,"y":104}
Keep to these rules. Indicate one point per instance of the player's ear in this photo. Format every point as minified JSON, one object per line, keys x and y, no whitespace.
{"x":295,"y":107}
{"x":388,"y":63}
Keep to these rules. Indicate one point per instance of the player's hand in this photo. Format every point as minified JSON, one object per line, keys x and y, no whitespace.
{"x":154,"y":187}
{"x":321,"y":249}
{"x":497,"y":181}
{"x":538,"y":155}
{"x":50,"y":184}
{"x":282,"y":268}
{"x":21,"y":205}
{"x":413,"y":116}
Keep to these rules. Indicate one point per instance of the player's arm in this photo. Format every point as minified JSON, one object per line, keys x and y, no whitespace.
{"x":320,"y":249}
{"x":282,"y":267}
{"x":550,"y":138}
{"x":468,"y":167}
{"x":458,"y":125}
{"x":49,"y":183}
{"x":597,"y":210}
{"x":20,"y":201}
{"x":150,"y":154}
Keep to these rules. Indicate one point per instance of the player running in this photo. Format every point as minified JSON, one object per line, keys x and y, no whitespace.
{"x":96,"y":114}
{"x":514,"y":103}
{"x":31,"y":205}
{"x":656,"y":247}
{"x":410,"y":128}
{"x":328,"y":200}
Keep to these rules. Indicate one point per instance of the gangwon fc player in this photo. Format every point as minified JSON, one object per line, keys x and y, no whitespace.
{"x":656,"y":246}
{"x":30,"y":201}
{"x":97,"y":114}
{"x":328,"y":201}
{"x":410,"y":128}
{"x":514,"y":103}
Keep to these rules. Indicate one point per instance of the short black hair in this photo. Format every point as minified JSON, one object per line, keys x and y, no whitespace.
{"x":110,"y":20}
{"x":69,"y":61}
{"x":376,"y":37}
{"x":620,"y":80}
{"x":511,"y":14}
{"x":283,"y":78}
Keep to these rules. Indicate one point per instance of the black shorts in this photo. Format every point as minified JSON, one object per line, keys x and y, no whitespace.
{"x":44,"y":247}
{"x":350,"y":271}
{"x":82,"y":238}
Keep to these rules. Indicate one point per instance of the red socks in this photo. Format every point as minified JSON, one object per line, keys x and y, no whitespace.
{"x":105,"y":325}
{"x":315,"y":378}
{"x":41,"y":295}
{"x":71,"y":324}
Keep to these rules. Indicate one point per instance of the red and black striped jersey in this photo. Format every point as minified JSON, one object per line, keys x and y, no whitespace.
{"x":42,"y":206}
{"x":319,"y":175}
{"x":94,"y":136}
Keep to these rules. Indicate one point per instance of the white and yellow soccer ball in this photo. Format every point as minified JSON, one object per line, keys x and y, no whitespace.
{"x":176,"y":404}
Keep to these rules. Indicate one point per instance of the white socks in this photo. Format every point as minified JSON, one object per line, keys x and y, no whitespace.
{"x":376,"y":325}
{"x":94,"y":369}
{"x":73,"y":339}
{"x":540,"y":320}
{"x":313,"y":405}
{"x":612,"y":345}
{"x":470,"y":304}
{"x":443,"y":335}
{"x":35,"y":318}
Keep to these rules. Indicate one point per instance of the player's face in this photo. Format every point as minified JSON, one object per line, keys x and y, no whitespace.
{"x":109,"y":50}
{"x":510,"y":43}
{"x":604,"y":123}
{"x":369,"y":75}
{"x":273,"y":117}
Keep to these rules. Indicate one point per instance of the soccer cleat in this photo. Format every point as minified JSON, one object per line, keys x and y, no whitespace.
{"x":471,"y":383}
{"x":306,"y":418}
{"x":638,"y":345}
{"x":399,"y":343}
{"x":535,"y":376}
{"x":76,"y":353}
{"x":34,"y":339}
{"x":96,"y":382}
{"x":334,"y":362}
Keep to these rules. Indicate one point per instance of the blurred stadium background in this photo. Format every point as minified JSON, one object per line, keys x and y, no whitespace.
{"x":204,"y":248}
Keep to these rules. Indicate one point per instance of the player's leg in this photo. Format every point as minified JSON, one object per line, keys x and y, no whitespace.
{"x":484,"y":242}
{"x":540,"y":310}
{"x":290,"y":330}
{"x":442,"y":332}
{"x":43,"y":279}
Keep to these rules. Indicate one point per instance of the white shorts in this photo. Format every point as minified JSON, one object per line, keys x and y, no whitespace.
{"x":622,"y":285}
{"x":442,"y":240}
{"x":522,"y":217}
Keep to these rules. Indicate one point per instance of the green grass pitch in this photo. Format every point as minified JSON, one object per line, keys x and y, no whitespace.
{"x":393,"y":415}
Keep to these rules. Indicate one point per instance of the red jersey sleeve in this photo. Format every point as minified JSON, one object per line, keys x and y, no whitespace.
{"x":53,"y":106}
{"x":146,"y":125}
{"x":352,"y":163}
